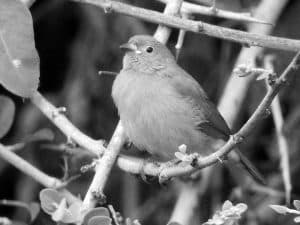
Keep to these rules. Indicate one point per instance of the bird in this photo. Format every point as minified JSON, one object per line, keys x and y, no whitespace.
{"x":162,"y":107}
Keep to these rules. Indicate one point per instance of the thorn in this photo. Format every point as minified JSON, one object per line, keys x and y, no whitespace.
{"x":220,"y":160}
{"x":110,"y":73}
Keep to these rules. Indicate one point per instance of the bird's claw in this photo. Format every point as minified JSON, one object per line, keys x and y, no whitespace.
{"x":163,"y":179}
{"x":142,"y":173}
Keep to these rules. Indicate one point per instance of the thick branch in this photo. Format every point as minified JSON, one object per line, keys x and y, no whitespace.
{"x":103,"y":168}
{"x":249,"y":39}
{"x":190,"y":8}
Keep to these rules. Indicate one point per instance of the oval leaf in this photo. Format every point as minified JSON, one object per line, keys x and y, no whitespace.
{"x":19,"y":61}
{"x":100,"y":220}
{"x":62,"y":214}
{"x":297,"y":219}
{"x":50,"y":199}
{"x":241,"y":208}
{"x":280,"y":209}
{"x":99,"y":211}
{"x":296,"y":203}
{"x":227,"y":205}
{"x":7,"y":113}
{"x":34,"y":209}
{"x":75,"y":210}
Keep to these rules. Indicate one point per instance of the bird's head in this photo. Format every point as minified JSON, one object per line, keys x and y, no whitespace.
{"x":146,"y":54}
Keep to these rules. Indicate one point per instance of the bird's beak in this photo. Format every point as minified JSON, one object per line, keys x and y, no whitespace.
{"x":129,"y":47}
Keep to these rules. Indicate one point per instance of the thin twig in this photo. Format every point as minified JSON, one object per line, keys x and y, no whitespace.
{"x":248,"y":39}
{"x":180,"y":38}
{"x":172,"y":8}
{"x":110,"y":73}
{"x":28,"y":169}
{"x":282,"y":141}
{"x":231,"y":101}
{"x":35,"y":173}
{"x":60,"y":120}
{"x":190,"y":8}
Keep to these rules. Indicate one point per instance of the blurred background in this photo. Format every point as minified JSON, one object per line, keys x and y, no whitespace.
{"x":75,"y":41}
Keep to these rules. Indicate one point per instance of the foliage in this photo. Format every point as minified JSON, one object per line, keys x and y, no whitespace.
{"x":7,"y":113}
{"x":281,"y":209}
{"x":19,"y":64}
{"x":229,"y":214}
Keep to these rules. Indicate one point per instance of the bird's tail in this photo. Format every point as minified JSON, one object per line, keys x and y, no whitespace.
{"x":247,"y":165}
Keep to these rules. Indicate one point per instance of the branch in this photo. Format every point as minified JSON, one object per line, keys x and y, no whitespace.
{"x":28,"y":169}
{"x":72,"y":133}
{"x":103,"y":168}
{"x":33,"y":172}
{"x":231,"y":101}
{"x":163,"y":33}
{"x":248,"y":39}
{"x":190,"y":8}
{"x":282,"y":141}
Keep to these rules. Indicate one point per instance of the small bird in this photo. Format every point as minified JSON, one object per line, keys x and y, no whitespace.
{"x":162,"y":107}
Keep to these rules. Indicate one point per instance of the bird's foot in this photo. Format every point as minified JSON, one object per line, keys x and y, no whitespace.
{"x":162,"y":179}
{"x":143,"y":174}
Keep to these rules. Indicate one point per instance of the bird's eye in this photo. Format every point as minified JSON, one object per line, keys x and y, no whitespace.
{"x":149,"y":49}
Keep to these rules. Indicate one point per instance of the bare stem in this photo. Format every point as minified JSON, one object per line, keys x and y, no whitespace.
{"x":104,"y":167}
{"x":249,"y":39}
{"x":28,"y":169}
{"x":231,"y":101}
{"x":190,"y":8}
{"x":282,"y":141}
{"x":60,"y":120}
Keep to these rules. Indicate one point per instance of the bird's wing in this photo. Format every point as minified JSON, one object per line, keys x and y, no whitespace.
{"x":208,"y":118}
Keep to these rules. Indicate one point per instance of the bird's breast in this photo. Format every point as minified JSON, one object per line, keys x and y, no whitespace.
{"x":155,"y":117}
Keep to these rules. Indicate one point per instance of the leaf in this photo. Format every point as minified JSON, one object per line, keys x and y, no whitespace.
{"x":40,"y":135}
{"x":296,"y":203}
{"x":100,"y":220}
{"x":182,"y":148}
{"x":297,"y":219}
{"x":7,"y":114}
{"x":241,"y":208}
{"x":280,"y":209}
{"x":34,"y":209}
{"x":99,"y":211}
{"x":19,"y":61}
{"x":227,"y":205}
{"x":75,"y":210}
{"x":50,"y":199}
{"x":62,"y":214}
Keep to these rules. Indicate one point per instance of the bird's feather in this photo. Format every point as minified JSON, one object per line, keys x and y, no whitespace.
{"x":208,"y":119}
